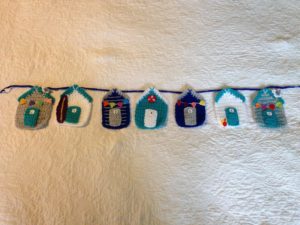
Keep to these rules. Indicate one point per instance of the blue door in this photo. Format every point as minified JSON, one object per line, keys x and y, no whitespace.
{"x":73,"y":114}
{"x":31,"y":117}
{"x":232,"y":116}
{"x":270,"y":118}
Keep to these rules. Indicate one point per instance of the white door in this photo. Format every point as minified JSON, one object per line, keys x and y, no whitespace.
{"x":150,"y":119}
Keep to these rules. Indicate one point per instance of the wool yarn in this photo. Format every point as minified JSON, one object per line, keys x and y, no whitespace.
{"x":115,"y":110}
{"x":190,"y":109}
{"x":34,"y":109}
{"x":230,"y":108}
{"x":151,"y":110}
{"x":268,"y":109}
{"x":74,"y":107}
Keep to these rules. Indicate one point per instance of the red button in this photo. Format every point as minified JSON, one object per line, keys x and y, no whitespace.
{"x":151,"y":98}
{"x":272,"y":106}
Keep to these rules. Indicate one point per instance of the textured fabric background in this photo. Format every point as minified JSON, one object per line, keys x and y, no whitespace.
{"x":174,"y":176}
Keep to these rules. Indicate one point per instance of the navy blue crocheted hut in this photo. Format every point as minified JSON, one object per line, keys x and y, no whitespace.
{"x":190,"y":109}
{"x":115,"y":110}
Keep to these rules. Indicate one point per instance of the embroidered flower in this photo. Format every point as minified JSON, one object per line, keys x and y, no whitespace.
{"x":151,"y":98}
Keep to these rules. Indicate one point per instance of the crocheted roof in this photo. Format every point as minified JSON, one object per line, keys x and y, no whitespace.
{"x":80,"y":90}
{"x":266,"y":93}
{"x":152,"y":91}
{"x":189,"y":95}
{"x":39,"y":90}
{"x":115,"y":93}
{"x":231,"y":91}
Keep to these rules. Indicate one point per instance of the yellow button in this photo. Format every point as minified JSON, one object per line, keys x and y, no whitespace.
{"x":202,"y":102}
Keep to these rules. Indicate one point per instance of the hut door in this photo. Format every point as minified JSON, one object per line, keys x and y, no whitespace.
{"x":190,"y":118}
{"x":73,"y":114}
{"x":150,"y":119}
{"x":31,"y":117}
{"x":115,"y":117}
{"x":269,"y":118}
{"x":232,"y":116}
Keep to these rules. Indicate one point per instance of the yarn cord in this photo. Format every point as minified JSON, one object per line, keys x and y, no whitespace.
{"x":9,"y":88}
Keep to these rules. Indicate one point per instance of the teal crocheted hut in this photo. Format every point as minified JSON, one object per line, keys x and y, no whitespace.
{"x":151,"y":110}
{"x":268,"y":109}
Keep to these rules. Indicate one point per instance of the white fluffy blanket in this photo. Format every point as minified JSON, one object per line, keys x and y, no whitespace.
{"x":173,"y":176}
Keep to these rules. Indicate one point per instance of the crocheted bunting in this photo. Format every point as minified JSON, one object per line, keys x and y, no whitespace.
{"x":74,"y":107}
{"x":151,"y":110}
{"x":268,"y":109}
{"x":115,"y":110}
{"x":34,"y":109}
{"x":190,"y":109}
{"x":230,"y":108}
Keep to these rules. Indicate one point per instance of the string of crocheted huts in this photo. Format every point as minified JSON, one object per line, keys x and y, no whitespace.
{"x":151,"y":111}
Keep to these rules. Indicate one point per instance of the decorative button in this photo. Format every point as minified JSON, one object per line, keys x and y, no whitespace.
{"x":31,"y":102}
{"x":48,"y":100}
{"x":105,"y":103}
{"x":23,"y":101}
{"x":151,"y":98}
{"x":40,"y":103}
{"x":272,"y":106}
{"x":202,"y":102}
{"x":112,"y":104}
{"x":279,"y":104}
{"x":257,"y":105}
{"x":120,"y":104}
{"x":224,"y":122}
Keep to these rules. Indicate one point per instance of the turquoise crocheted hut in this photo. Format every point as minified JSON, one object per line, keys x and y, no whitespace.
{"x":151,"y":110}
{"x":268,"y":109}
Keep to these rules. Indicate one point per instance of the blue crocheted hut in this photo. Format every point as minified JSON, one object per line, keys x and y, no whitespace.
{"x":115,"y":110}
{"x":190,"y":109}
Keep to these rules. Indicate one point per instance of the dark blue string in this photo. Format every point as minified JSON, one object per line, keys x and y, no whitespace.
{"x":10,"y":87}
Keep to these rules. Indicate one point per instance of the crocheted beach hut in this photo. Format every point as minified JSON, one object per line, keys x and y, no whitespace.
{"x":34,"y":109}
{"x":115,"y":110}
{"x":230,"y":108}
{"x":151,"y":110}
{"x":74,"y":107}
{"x":268,"y":109}
{"x":190,"y":109}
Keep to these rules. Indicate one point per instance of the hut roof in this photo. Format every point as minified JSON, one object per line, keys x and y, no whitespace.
{"x":39,"y":90}
{"x":230,"y":91}
{"x":80,"y":90}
